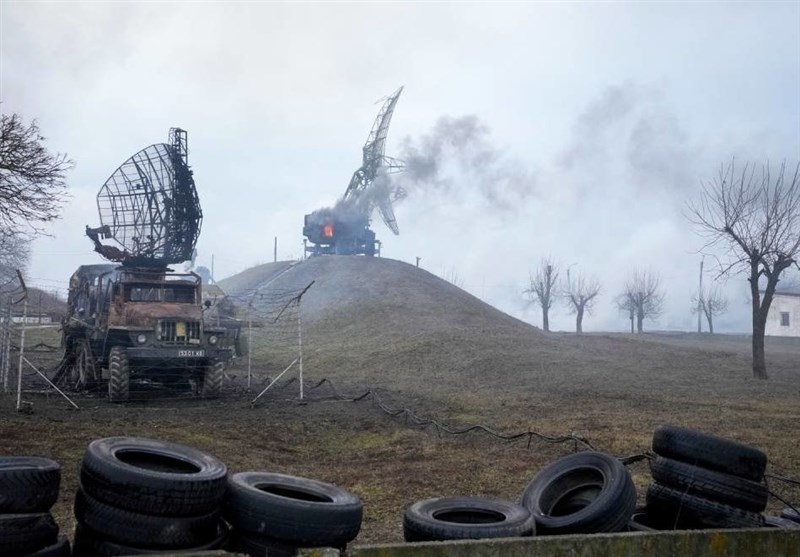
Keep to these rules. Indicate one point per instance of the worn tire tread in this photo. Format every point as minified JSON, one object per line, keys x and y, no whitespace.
{"x":132,"y":528}
{"x":700,"y":511}
{"x":709,"y":451}
{"x":28,"y":484}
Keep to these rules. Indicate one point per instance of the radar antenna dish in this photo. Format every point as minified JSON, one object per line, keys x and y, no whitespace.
{"x":149,"y":207}
{"x":374,"y":165}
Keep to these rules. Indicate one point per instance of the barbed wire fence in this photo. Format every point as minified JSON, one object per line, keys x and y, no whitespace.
{"x":14,"y":321}
{"x":270,"y":339}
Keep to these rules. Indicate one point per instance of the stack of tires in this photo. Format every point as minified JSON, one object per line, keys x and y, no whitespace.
{"x":465,"y":518}
{"x":704,"y":481}
{"x":582,"y":493}
{"x":275,"y":514}
{"x":28,"y":489}
{"x":141,"y":496}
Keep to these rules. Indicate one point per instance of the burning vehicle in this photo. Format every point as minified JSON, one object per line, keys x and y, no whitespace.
{"x":137,"y":318}
{"x":344,"y":228}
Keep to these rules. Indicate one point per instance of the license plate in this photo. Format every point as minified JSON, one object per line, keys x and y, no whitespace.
{"x":191,"y":353}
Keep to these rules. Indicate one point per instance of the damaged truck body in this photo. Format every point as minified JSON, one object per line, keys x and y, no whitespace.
{"x":136,"y":318}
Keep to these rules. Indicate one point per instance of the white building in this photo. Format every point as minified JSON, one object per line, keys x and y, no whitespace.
{"x":784,"y":314}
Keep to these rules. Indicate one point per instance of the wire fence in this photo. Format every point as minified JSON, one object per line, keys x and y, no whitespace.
{"x":271,"y":339}
{"x":16,"y":358}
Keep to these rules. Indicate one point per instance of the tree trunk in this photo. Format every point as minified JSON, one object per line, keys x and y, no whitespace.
{"x":710,"y":317}
{"x":639,"y":321}
{"x":631,"y":322}
{"x":545,"y":319}
{"x":579,"y":320}
{"x":759,"y":323}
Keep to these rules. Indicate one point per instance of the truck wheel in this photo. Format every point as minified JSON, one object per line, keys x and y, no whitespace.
{"x":119,"y":374}
{"x":212,"y":380}
{"x":83,"y":376}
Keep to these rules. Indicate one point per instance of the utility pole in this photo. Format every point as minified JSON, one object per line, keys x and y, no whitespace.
{"x":418,"y":258}
{"x":40,"y":307}
{"x":275,"y":252}
{"x":212,"y":268}
{"x":700,"y":299}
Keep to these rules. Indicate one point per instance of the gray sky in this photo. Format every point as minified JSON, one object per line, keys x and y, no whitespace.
{"x":614,"y":111}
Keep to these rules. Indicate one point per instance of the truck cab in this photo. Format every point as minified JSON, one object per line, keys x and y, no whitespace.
{"x":140,"y":323}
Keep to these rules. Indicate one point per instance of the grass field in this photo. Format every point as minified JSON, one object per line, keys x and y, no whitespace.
{"x":453,"y":358}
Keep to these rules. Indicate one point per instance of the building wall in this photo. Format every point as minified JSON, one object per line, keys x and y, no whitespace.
{"x":789,"y":303}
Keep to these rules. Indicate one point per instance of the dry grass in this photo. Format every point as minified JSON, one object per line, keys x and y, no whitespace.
{"x":428,"y":346}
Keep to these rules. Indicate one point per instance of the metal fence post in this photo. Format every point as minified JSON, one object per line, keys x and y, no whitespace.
{"x":300,"y":345}
{"x":21,"y":353}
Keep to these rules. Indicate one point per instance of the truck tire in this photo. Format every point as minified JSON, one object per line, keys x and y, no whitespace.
{"x":698,"y":511}
{"x":791,"y":514}
{"x":60,"y":549}
{"x":153,"y":477}
{"x":212,"y":380}
{"x":146,"y":530}
{"x":780,"y":522}
{"x":90,"y":544}
{"x":83,"y":374}
{"x":710,"y":451}
{"x":21,"y":534}
{"x":717,"y":486}
{"x":465,"y":518}
{"x":581,"y":493}
{"x":258,"y":546}
{"x":292,"y":509}
{"x":28,"y":484}
{"x":119,"y":374}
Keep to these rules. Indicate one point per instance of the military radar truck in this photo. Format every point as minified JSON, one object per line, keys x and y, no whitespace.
{"x":137,"y":318}
{"x":140,"y":323}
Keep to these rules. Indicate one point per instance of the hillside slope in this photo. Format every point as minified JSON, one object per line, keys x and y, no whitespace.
{"x":375,"y":322}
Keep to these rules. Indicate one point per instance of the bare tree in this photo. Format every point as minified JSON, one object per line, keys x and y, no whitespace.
{"x":626,"y":305}
{"x":642,"y":298}
{"x":32,"y":187}
{"x":580,"y":293}
{"x":14,"y":253}
{"x":756,"y":219}
{"x":543,"y":288}
{"x":711,"y":303}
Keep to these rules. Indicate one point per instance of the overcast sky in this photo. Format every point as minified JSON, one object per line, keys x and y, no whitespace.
{"x":609,"y":114}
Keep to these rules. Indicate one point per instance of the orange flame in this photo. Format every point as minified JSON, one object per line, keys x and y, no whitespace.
{"x":327,"y":231}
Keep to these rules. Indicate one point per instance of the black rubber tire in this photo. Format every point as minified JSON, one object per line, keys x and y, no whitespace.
{"x":259,"y":546}
{"x":212,"y":380}
{"x":465,"y":518}
{"x":716,"y":486}
{"x":146,"y":530}
{"x":60,"y":549}
{"x":154,"y":477}
{"x":88,"y":544}
{"x":21,"y":534}
{"x":790,"y":515}
{"x":581,"y":493}
{"x":119,"y":374}
{"x":650,"y":520}
{"x":292,"y":509}
{"x":710,"y":451}
{"x":28,"y":484}
{"x":780,"y":522}
{"x":698,"y":511}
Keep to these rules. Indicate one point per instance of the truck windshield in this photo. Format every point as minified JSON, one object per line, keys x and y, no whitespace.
{"x":181,"y":294}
